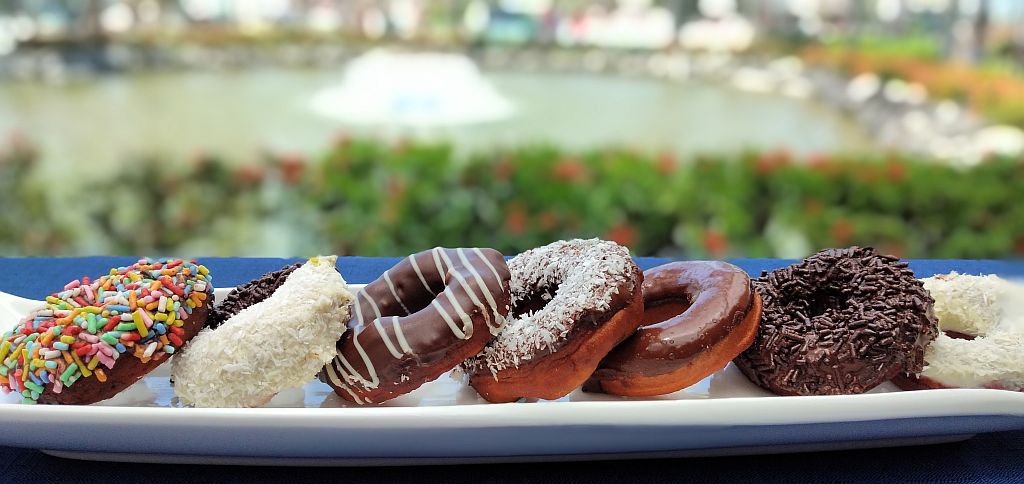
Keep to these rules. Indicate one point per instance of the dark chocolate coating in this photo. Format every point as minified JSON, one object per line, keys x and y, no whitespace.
{"x":249,"y":294}
{"x":419,"y":302}
{"x":717,"y":295}
{"x":842,"y":321}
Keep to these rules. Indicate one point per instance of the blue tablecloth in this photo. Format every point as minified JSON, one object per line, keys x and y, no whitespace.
{"x":990,"y":457}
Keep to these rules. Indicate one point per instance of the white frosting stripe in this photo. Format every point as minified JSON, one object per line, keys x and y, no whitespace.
{"x":359,"y":310}
{"x":391,"y":286}
{"x":338,"y":381}
{"x":399,"y":335}
{"x":483,"y":288}
{"x":384,"y":337}
{"x":448,"y":319}
{"x":467,"y":322}
{"x":373,"y":381}
{"x":437,"y":262}
{"x":490,"y":266}
{"x":419,"y":273}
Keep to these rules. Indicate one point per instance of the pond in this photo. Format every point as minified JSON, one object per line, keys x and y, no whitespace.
{"x":97,"y":124}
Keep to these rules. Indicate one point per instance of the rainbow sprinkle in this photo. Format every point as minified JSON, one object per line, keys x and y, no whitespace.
{"x":139,"y":309}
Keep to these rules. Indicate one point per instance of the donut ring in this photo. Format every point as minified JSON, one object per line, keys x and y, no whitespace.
{"x":572,"y":302}
{"x":278,"y":342}
{"x":124,"y":323}
{"x":419,"y":320}
{"x":982,"y":343}
{"x":840,"y":322}
{"x":697,"y":317}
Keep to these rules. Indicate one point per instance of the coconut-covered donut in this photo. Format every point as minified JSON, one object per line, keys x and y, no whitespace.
{"x":698,"y":316}
{"x":842,"y":321}
{"x":982,"y":339}
{"x":572,"y":302}
{"x":420,"y":319}
{"x":97,"y":337}
{"x":270,"y":345}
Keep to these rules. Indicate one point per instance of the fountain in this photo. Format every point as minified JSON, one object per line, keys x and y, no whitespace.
{"x":419,"y":90}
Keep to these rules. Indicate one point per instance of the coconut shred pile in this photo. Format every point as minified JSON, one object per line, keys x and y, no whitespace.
{"x":587,"y":275}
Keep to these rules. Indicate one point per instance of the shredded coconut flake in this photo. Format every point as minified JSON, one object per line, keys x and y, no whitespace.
{"x":278,"y":343}
{"x":990,"y":308}
{"x":587,"y":274}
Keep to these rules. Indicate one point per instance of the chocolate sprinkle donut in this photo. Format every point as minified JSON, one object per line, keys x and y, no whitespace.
{"x":248,"y":294}
{"x":840,"y":322}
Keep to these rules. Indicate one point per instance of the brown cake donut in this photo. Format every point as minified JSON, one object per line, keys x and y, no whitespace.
{"x":839,"y":322}
{"x":420,"y":319}
{"x":97,"y":337}
{"x":572,"y":302}
{"x":698,"y":316}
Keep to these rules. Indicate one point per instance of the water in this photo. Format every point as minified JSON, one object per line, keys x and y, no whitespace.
{"x":95,"y":125}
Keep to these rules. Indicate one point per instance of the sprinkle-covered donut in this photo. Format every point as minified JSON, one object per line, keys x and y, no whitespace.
{"x":269,"y":345}
{"x":572,"y":302}
{"x":698,"y":316}
{"x":97,"y":337}
{"x":982,"y":339}
{"x":420,"y":319}
{"x":842,"y":321}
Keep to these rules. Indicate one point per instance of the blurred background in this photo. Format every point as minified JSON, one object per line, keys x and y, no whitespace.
{"x":681,"y":128}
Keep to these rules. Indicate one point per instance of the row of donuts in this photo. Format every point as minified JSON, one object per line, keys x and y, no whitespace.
{"x":551,"y":319}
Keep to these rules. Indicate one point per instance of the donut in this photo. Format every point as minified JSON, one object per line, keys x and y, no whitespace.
{"x":96,"y":337}
{"x":982,"y":340}
{"x":697,"y":317}
{"x":840,"y":322}
{"x":572,"y":302}
{"x":418,"y":320}
{"x":272,"y":344}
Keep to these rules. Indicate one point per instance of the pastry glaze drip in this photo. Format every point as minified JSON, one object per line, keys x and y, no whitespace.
{"x":418,"y":320}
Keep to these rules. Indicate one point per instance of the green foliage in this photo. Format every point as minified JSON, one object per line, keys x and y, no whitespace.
{"x":368,"y":198}
{"x":27,"y":223}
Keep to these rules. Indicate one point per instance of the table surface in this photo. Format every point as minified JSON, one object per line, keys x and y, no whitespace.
{"x":990,"y":457}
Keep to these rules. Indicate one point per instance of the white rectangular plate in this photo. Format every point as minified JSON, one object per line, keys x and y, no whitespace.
{"x":446,"y":422}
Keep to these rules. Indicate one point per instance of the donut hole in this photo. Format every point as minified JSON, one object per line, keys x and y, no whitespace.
{"x":535,"y":301}
{"x":415,"y":301}
{"x":664,"y":309}
{"x":826,"y":301}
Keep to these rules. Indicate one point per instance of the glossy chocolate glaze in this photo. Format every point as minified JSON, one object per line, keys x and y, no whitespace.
{"x":420,"y":319}
{"x":689,"y":306}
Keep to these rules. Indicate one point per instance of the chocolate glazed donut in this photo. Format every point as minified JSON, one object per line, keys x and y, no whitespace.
{"x":420,"y":319}
{"x":697,"y":317}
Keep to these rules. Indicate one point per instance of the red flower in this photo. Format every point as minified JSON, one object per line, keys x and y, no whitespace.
{"x":248,"y":175}
{"x":548,"y":220}
{"x":504,"y":169}
{"x":667,"y":163}
{"x":770,"y":161}
{"x":896,"y":171}
{"x":569,"y":170}
{"x":515,"y":219}
{"x":715,"y":243}
{"x":291,"y":166}
{"x":621,"y":233}
{"x":842,"y":231}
